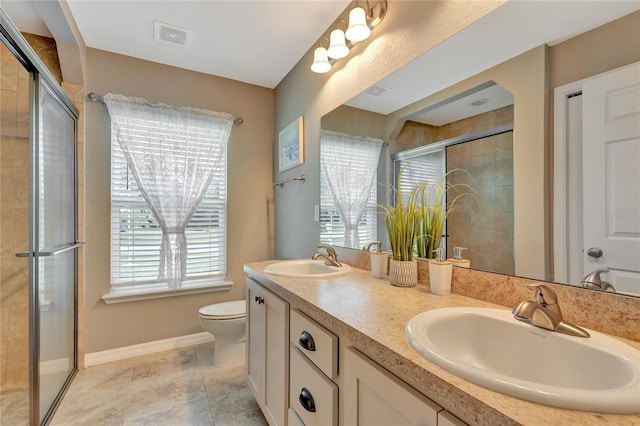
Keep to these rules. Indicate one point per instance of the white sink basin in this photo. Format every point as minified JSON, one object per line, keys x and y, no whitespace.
{"x":306,"y":268}
{"x":492,"y":349}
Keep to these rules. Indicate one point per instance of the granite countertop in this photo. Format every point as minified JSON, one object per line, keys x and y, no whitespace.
{"x":375,"y":313}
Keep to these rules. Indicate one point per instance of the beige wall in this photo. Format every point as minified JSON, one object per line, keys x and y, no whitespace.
{"x":250,"y":193}
{"x":610,"y":46}
{"x":355,"y":122}
{"x":409,"y":29}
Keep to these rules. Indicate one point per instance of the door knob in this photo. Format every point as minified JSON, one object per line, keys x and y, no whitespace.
{"x":594,"y":252}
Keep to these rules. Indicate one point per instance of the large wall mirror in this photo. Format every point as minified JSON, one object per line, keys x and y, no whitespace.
{"x":512,"y":120}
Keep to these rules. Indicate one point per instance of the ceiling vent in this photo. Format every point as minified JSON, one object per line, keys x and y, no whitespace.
{"x":171,"y":34}
{"x":376,"y":90}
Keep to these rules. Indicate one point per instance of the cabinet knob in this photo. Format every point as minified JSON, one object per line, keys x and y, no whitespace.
{"x":259,"y":299}
{"x":306,"y":341}
{"x":306,"y":399}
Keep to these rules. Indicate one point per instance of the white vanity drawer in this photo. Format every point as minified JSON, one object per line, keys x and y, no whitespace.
{"x":316,"y":342}
{"x":312,"y":395}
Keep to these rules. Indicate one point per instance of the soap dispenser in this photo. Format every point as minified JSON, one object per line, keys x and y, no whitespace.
{"x":379,"y":261}
{"x":457,"y":258}
{"x":440,"y":271}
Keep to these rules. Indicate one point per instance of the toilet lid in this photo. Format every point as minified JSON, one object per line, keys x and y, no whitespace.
{"x":226,"y":310}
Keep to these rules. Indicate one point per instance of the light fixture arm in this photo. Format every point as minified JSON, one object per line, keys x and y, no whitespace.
{"x":375,"y":12}
{"x":361,"y":22}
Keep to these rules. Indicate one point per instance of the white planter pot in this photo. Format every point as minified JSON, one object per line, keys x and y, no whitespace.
{"x":403,"y":273}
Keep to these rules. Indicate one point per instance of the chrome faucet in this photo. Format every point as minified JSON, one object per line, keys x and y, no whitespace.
{"x":594,"y":282}
{"x":545,"y":312}
{"x":330,"y":259}
{"x":377,"y":244}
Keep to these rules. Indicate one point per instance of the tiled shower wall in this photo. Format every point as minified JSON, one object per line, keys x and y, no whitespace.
{"x":484,"y":223}
{"x":14,"y":207}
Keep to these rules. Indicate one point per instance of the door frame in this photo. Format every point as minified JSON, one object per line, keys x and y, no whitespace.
{"x":560,"y":191}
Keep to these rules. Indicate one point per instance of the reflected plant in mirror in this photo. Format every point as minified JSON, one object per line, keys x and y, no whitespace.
{"x":435,"y":201}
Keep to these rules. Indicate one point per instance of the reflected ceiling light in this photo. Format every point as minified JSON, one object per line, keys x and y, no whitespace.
{"x":337,"y":45}
{"x":361,"y":22}
{"x":320,"y":61}
{"x":479,"y":102}
{"x":358,"y":29}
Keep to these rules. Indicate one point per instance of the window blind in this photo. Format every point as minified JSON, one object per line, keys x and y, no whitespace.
{"x":136,"y":235}
{"x":424,"y":167}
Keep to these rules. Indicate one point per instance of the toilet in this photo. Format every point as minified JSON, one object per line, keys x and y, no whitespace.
{"x":226,"y":321}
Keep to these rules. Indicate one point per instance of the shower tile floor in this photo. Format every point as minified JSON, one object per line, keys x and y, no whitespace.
{"x":177,"y":387}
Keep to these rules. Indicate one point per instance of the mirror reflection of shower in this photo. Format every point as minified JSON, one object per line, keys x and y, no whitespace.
{"x":470,"y":140}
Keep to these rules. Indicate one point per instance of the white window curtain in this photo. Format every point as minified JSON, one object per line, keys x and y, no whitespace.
{"x":173,"y":153}
{"x":349,"y":165}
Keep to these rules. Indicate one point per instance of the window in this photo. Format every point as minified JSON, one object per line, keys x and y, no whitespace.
{"x":136,"y":235}
{"x":350,"y":191}
{"x":418,"y":168}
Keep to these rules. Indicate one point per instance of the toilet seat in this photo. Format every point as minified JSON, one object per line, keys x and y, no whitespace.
{"x":224,"y":311}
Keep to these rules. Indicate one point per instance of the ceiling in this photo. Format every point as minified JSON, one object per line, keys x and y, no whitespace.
{"x":256,"y":42}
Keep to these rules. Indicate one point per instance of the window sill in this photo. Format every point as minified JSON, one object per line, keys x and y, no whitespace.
{"x":155,"y":293}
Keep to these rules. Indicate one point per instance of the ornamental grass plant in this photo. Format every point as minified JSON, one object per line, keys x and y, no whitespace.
{"x":433,"y":202}
{"x":402,"y":225}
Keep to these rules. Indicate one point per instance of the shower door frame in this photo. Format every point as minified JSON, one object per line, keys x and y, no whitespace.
{"x":11,"y":37}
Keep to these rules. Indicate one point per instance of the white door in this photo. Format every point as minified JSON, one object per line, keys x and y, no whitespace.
{"x":611,"y":176}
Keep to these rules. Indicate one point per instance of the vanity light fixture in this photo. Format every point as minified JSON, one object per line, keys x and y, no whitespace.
{"x":320,"y":61}
{"x":358,"y":29}
{"x":361,"y":22}
{"x":337,"y":45}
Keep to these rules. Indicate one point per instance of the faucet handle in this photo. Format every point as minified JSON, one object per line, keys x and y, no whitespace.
{"x":594,"y":278}
{"x":328,"y":248}
{"x":543,"y":294}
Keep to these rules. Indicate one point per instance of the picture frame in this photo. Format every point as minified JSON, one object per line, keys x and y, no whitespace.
{"x":291,"y":145}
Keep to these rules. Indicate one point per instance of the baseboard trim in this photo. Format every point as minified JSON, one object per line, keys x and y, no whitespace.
{"x":125,"y":352}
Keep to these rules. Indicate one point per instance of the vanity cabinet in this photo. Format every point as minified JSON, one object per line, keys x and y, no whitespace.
{"x":374,"y":396}
{"x":313,"y":395}
{"x":296,"y":372}
{"x":268,"y":351}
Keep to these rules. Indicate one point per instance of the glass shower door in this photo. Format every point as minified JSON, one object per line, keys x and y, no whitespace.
{"x":56,"y":248}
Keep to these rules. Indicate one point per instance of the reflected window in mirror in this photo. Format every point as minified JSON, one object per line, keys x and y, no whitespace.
{"x":348,"y":188}
{"x":411,"y":169}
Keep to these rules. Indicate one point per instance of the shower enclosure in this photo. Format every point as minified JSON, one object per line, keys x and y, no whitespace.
{"x":38,"y":234}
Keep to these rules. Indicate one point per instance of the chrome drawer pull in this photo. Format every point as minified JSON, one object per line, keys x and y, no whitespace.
{"x":306,"y":341}
{"x":306,"y":399}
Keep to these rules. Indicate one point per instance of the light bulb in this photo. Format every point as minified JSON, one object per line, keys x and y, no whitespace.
{"x":358,"y":29}
{"x":320,"y":61}
{"x":337,"y":46}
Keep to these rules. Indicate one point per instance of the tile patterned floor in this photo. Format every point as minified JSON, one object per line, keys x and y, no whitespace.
{"x":177,"y":387}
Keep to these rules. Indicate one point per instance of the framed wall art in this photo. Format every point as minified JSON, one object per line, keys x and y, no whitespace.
{"x":291,"y":145}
